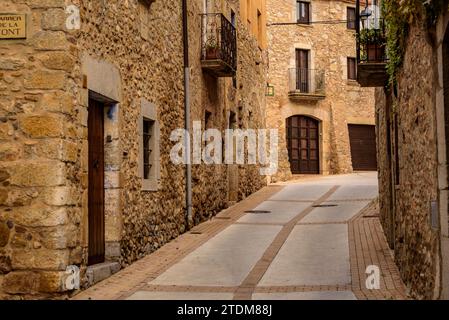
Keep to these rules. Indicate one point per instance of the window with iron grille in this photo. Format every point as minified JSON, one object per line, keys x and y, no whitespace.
{"x":303,"y":10}
{"x":147,"y":147}
{"x":350,"y":18}
{"x":352,"y":69}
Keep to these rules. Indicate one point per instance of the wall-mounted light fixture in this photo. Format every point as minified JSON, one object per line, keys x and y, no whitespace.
{"x":365,"y":14}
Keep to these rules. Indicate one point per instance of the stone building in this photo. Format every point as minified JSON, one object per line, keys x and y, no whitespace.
{"x":87,"y":108}
{"x":321,"y":111}
{"x":412,"y":114}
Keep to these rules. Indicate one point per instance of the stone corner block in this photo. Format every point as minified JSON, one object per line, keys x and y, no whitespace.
{"x":35,"y":173}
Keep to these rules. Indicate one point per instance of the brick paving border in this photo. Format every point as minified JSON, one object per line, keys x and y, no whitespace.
{"x":258,"y":289}
{"x":368,"y":246}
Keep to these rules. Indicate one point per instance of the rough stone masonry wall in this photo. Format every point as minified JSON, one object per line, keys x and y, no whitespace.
{"x":39,"y":154}
{"x":151,"y":66}
{"x":384,"y":160}
{"x":330,"y":45}
{"x":219,"y":97}
{"x":250,"y":101}
{"x":43,"y":134}
{"x":415,"y":243}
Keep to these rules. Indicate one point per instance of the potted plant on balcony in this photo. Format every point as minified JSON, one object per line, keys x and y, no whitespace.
{"x":373,"y":43}
{"x":212,"y":49}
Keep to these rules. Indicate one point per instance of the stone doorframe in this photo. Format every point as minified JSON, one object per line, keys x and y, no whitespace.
{"x":442,"y":32}
{"x":102,"y":81}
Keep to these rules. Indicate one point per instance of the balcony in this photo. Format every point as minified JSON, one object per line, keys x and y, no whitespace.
{"x":306,"y":84}
{"x":371,"y":48}
{"x":219,"y":45}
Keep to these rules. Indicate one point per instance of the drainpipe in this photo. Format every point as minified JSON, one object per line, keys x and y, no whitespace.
{"x":185,"y":36}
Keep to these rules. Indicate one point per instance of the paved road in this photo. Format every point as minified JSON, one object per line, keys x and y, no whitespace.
{"x":297,"y":238}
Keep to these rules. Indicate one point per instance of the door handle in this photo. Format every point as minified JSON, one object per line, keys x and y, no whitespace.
{"x":96,"y":164}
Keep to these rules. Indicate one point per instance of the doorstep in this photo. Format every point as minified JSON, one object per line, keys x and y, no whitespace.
{"x":98,"y":272}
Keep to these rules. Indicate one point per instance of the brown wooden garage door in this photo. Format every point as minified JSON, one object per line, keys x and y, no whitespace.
{"x":363,"y":147}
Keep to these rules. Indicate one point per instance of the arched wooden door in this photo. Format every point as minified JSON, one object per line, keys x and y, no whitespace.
{"x":303,"y":145}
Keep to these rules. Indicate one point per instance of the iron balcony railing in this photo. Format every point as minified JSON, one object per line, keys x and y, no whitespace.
{"x":371,"y":45}
{"x":307,"y":81}
{"x":219,"y":39}
{"x":370,"y":34}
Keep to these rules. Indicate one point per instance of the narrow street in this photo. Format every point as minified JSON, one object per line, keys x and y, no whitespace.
{"x":224,"y":150}
{"x":311,"y":238}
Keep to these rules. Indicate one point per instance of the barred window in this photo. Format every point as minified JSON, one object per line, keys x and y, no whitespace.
{"x":149,"y":150}
{"x":147,"y":143}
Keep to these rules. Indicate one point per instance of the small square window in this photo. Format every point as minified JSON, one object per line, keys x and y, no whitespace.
{"x":303,"y":10}
{"x":352,"y":69}
{"x":350,"y":18}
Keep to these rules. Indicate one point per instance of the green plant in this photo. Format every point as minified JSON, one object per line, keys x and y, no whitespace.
{"x":371,"y":36}
{"x":398,"y":16}
{"x":211,"y":44}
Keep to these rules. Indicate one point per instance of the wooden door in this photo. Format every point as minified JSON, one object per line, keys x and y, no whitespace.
{"x":96,"y":182}
{"x":303,"y":145}
{"x":363,"y":147}
{"x":302,"y":70}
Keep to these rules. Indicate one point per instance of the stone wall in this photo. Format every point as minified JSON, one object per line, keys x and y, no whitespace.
{"x":130,"y":53}
{"x":40,"y":204}
{"x":385,"y":155}
{"x":346,"y":102}
{"x":405,"y":201}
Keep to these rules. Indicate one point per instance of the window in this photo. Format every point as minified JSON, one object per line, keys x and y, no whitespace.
{"x":233,"y":18}
{"x":303,"y":10}
{"x":350,"y":18}
{"x":147,"y":136}
{"x":302,"y":70}
{"x":352,"y":69}
{"x":149,"y":164}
